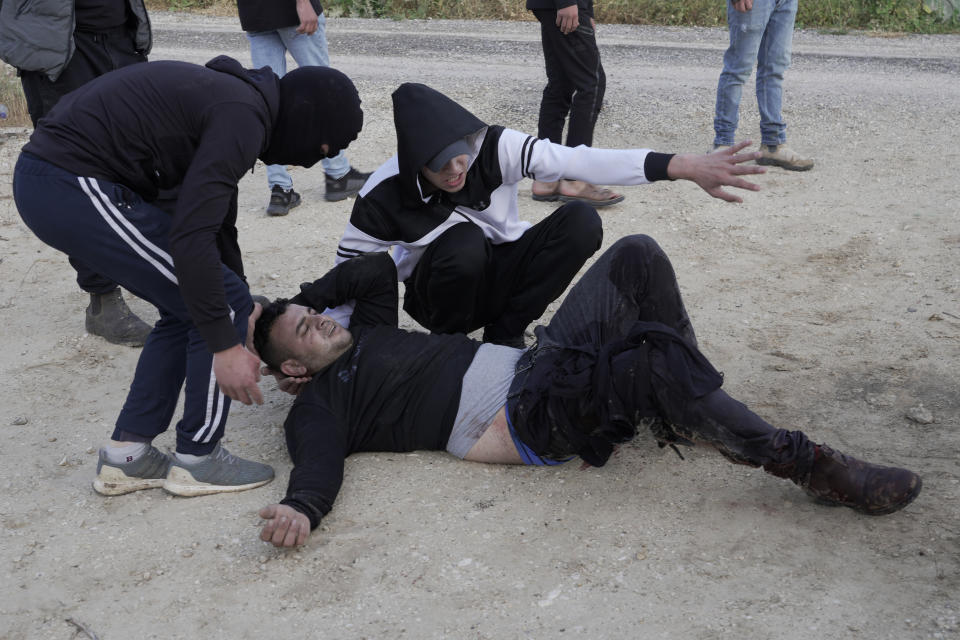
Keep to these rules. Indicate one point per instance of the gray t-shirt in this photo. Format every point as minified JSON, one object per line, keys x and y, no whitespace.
{"x":483,"y":393}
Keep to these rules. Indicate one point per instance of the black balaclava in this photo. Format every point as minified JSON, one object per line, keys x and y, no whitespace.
{"x":318,"y":105}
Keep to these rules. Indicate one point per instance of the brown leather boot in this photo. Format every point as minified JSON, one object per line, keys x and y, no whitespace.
{"x":841,"y":480}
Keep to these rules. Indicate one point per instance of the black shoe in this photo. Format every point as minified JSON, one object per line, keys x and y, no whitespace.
{"x":282,"y":201}
{"x":345,"y":186}
{"x":841,"y":480}
{"x":109,"y":317}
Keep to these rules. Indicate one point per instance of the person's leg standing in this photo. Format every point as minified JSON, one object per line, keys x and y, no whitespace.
{"x":311,"y":50}
{"x":267,"y":49}
{"x":773,"y":58}
{"x":112,"y":229}
{"x":580,"y":58}
{"x":576,"y":84}
{"x":558,"y":92}
{"x":746,"y":31}
{"x":94,"y":54}
{"x":341,"y":180}
{"x":155,"y":390}
{"x":531,"y":272}
{"x":601,"y":92}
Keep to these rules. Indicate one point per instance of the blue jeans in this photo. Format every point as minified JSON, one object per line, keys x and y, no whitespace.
{"x":765,"y":35}
{"x":269,"y":49}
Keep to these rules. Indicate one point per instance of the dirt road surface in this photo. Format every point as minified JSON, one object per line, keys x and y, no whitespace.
{"x":829,"y":299}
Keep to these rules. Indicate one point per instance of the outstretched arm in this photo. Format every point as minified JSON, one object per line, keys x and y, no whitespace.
{"x":713,"y":171}
{"x":369,"y":279}
{"x":522,"y":156}
{"x":317,"y":443}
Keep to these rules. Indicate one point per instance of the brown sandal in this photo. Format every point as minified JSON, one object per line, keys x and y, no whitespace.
{"x":596,"y":196}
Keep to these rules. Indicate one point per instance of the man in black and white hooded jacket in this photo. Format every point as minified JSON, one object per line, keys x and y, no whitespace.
{"x":447,"y":205}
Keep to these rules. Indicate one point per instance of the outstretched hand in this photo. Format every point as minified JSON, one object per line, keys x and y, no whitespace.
{"x":713,"y":171}
{"x":284,"y":526}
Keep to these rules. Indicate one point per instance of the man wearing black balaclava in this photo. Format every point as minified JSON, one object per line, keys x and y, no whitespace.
{"x":86,"y":183}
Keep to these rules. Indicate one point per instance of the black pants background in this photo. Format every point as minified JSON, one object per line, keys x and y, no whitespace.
{"x":96,"y":53}
{"x":576,"y":81}
{"x":569,"y":387}
{"x":464,"y":282}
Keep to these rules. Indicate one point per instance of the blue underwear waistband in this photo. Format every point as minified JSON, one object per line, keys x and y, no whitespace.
{"x":526,"y":453}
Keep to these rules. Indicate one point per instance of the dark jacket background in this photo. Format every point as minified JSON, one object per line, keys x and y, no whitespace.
{"x":37,"y":35}
{"x":267,"y":15}
{"x":161,"y":125}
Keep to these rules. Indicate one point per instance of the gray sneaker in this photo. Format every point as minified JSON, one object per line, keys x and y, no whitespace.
{"x":219,"y":472}
{"x":146,"y":472}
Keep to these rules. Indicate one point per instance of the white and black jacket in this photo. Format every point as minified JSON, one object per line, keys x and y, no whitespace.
{"x":392,"y":211}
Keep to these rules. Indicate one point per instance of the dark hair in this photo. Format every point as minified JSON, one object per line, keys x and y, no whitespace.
{"x":269,"y":353}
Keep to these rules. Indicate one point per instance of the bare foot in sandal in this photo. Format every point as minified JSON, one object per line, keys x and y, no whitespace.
{"x":544,"y":191}
{"x":570,"y":190}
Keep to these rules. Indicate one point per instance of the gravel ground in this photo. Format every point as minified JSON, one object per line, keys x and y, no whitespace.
{"x":829,"y":299}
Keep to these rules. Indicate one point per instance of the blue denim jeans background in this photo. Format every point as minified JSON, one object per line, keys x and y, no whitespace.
{"x":763,"y":35}
{"x":269,"y":49}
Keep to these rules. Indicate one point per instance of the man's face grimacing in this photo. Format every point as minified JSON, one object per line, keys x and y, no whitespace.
{"x":451,"y":177}
{"x":311,"y":339}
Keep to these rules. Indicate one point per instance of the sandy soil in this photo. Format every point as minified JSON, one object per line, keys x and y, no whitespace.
{"x":829,"y":299}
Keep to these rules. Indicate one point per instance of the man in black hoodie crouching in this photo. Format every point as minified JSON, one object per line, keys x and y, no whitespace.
{"x":447,"y":202}
{"x":86,"y":183}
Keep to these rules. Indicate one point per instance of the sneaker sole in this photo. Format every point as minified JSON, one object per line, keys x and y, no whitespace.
{"x":113,"y":482}
{"x":783,"y":165}
{"x":181,"y":482}
{"x":281,"y":211}
{"x":337,"y":197}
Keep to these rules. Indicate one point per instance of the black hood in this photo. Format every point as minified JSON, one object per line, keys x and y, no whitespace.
{"x":428,"y":121}
{"x":317,"y":106}
{"x":263,"y":80}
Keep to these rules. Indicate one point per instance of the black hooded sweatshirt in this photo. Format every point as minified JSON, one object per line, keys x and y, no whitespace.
{"x":392,"y":209}
{"x":168,"y":125}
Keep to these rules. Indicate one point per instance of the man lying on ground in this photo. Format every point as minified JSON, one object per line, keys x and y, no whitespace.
{"x":620,"y":353}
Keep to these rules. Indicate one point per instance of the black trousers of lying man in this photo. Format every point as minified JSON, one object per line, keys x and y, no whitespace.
{"x":620,"y":354}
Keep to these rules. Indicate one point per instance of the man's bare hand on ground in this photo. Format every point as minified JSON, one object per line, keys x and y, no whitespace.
{"x":238,"y":372}
{"x":713,"y":171}
{"x":284,"y":526}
